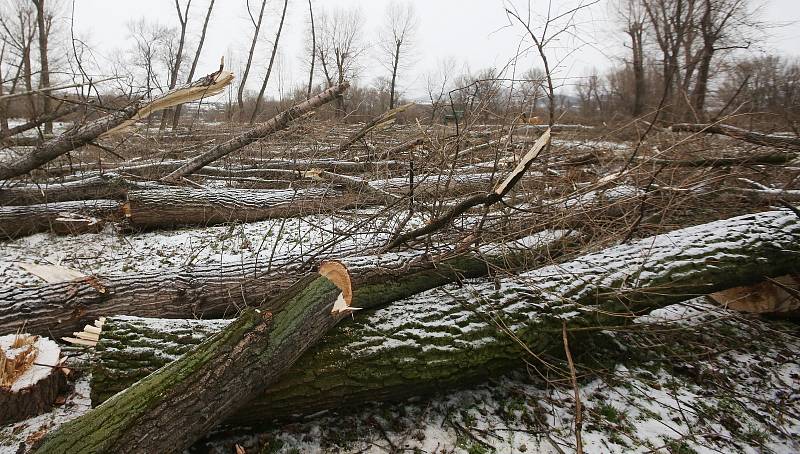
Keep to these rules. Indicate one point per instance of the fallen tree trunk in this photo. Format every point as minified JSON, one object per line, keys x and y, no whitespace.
{"x":382,"y":120}
{"x":105,"y":186}
{"x":208,"y":85}
{"x":219,"y":290}
{"x":724,"y":161}
{"x":458,"y":335}
{"x":40,"y":120}
{"x":171,"y":207}
{"x":62,"y":217}
{"x":271,"y":126}
{"x":769,"y":140}
{"x":180,"y":403}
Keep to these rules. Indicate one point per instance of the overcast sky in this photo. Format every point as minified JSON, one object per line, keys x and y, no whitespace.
{"x":471,"y":33}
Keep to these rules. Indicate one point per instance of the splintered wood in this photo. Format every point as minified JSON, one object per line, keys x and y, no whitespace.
{"x":16,"y":358}
{"x":89,"y":336}
{"x":337,"y":273}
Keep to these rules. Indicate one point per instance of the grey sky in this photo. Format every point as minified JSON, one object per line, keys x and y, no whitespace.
{"x":472,"y":32}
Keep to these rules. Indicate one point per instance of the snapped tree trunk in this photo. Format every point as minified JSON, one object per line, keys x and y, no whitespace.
{"x":181,"y":402}
{"x":75,"y":138}
{"x":274,"y":124}
{"x":460,"y":334}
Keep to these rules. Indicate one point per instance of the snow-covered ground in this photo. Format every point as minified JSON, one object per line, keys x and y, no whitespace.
{"x":688,"y":378}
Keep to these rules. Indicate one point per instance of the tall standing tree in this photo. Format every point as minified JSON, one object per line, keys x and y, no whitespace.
{"x":246,"y":72}
{"x":44,"y":21}
{"x":269,"y":67}
{"x":396,"y":41}
{"x":176,"y":118}
{"x":340,"y":47}
{"x":19,"y":26}
{"x":722,"y":27}
{"x":183,"y":19}
{"x":313,"y":49}
{"x":634,"y":20}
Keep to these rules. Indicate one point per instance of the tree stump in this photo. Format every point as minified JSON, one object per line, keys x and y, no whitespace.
{"x":30,"y":376}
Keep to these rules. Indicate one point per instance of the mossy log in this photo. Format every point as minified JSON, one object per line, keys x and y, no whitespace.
{"x":220,"y":290}
{"x":460,"y":334}
{"x":178,"y":404}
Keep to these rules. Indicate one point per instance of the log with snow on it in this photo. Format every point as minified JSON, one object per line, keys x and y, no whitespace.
{"x":757,"y":138}
{"x":180,"y":403}
{"x":457,"y":335}
{"x":114,"y":123}
{"x":31,"y":377}
{"x":102,"y":186}
{"x":220,"y":290}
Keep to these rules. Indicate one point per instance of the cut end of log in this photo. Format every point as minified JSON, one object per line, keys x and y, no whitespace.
{"x":337,"y":273}
{"x":30,"y":376}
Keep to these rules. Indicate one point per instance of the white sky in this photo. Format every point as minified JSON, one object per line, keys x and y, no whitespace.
{"x":472,"y":32}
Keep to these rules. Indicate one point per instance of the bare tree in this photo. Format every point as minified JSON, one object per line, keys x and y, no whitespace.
{"x":183,"y":19}
{"x":633,"y":16}
{"x":3,"y":114}
{"x":721,"y":28}
{"x":340,"y":47}
{"x":269,"y":67}
{"x":19,"y":27}
{"x":554,"y":26}
{"x":44,"y":22}
{"x":395,"y":39}
{"x":243,"y":81}
{"x":149,"y":43}
{"x":176,"y":118}
{"x":313,"y":49}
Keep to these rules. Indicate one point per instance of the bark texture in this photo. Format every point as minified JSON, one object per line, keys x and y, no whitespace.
{"x":170,"y":207}
{"x":178,"y":404}
{"x":457,"y":335}
{"x":60,"y":217}
{"x":218,"y":291}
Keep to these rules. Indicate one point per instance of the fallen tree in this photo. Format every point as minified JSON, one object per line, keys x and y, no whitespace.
{"x":769,"y":140}
{"x":219,"y":290}
{"x":75,"y":138}
{"x":104,"y":186}
{"x":180,"y":206}
{"x":40,"y":120}
{"x":271,"y":126}
{"x":160,"y":413}
{"x":62,"y":217}
{"x":460,"y":334}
